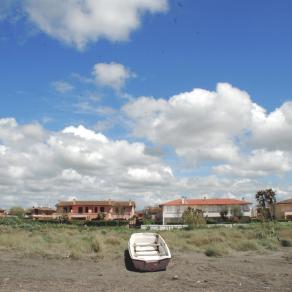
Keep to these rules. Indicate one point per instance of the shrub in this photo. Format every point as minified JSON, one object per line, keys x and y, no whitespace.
{"x":214,"y":251}
{"x":286,"y":243}
{"x":193,"y":217}
{"x":95,"y":244}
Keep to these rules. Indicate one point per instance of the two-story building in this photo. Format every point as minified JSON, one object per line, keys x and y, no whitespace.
{"x":172,"y":211}
{"x":284,"y":209}
{"x":88,"y":210}
{"x":42,"y":213}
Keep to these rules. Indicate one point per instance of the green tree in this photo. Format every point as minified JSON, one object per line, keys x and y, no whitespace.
{"x":236,"y":213}
{"x":193,"y":217}
{"x":266,"y":203}
{"x":17,"y":211}
{"x":224,"y":213}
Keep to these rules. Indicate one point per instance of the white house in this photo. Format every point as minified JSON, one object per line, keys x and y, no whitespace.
{"x":172,"y":211}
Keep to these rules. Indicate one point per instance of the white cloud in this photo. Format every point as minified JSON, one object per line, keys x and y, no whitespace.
{"x":78,"y":23}
{"x":273,"y":130}
{"x":62,"y":86}
{"x":200,"y":125}
{"x":112,"y":74}
{"x":36,"y":163}
{"x":258,"y":163}
{"x":224,"y":127}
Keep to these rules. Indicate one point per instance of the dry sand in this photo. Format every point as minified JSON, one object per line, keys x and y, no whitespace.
{"x":194,"y":271}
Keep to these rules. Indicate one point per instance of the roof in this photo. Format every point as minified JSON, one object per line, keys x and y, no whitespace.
{"x":196,"y":202}
{"x":2,"y":210}
{"x":96,"y":203}
{"x":43,"y":208}
{"x":288,"y":201}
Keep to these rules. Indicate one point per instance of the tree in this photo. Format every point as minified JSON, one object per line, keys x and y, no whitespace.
{"x":224,"y":213}
{"x":193,"y":217}
{"x":236,"y":213}
{"x":17,"y":211}
{"x":266,"y":203}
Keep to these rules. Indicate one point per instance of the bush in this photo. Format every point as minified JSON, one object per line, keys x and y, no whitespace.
{"x":107,"y":223}
{"x":286,"y":243}
{"x":17,"y":211}
{"x":95,"y":244}
{"x":213,"y":251}
{"x":193,"y":217}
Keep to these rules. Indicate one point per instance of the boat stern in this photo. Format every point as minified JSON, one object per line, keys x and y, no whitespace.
{"x":151,"y":266}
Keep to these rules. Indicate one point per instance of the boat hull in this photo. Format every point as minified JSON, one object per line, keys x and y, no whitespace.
{"x":150,"y":266}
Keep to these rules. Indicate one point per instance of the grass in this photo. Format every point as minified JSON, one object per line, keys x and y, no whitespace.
{"x":74,"y":241}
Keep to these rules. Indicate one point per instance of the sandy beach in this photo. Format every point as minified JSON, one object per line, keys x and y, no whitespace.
{"x":188,"y":271}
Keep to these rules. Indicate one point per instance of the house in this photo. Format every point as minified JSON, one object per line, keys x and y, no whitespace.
{"x":284,"y":209}
{"x":89,"y":210}
{"x":2,"y":213}
{"x":172,"y":211}
{"x":153,"y":213}
{"x":42,"y":213}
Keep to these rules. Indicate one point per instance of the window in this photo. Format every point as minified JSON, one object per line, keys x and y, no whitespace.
{"x":101,"y":209}
{"x":86,"y":209}
{"x":246,"y":208}
{"x":80,"y":210}
{"x":95,"y":209}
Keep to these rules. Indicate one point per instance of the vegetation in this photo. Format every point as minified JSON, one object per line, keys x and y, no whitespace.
{"x":193,"y":217}
{"x":266,"y":203}
{"x":236,"y":213}
{"x":17,"y":211}
{"x":223,"y":214}
{"x":80,"y":241}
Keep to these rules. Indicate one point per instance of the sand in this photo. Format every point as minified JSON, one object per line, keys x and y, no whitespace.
{"x":187,"y":271}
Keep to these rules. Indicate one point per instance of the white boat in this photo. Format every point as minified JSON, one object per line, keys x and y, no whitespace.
{"x":148,"y":252}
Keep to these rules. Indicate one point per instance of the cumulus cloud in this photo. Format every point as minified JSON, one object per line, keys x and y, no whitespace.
{"x":112,"y":74}
{"x":240,"y":145}
{"x":78,"y":23}
{"x":224,"y":127}
{"x":200,"y":125}
{"x":36,"y":163}
{"x":258,"y":163}
{"x":62,"y":86}
{"x":273,"y":130}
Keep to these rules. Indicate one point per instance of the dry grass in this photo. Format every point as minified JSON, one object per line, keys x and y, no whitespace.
{"x":79,"y":241}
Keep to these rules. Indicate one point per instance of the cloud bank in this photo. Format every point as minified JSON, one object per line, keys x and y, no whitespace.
{"x":241,"y":147}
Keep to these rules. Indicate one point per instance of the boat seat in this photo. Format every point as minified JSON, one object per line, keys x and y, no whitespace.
{"x":146,"y":253}
{"x":141,"y":247}
{"x":146,"y":244}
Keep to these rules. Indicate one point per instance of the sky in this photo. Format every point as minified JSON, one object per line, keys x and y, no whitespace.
{"x":148,"y":100}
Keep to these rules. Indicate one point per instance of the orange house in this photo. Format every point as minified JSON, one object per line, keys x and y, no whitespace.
{"x":88,"y":210}
{"x":284,"y":209}
{"x":2,"y":213}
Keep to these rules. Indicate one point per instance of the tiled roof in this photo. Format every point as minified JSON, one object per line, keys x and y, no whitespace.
{"x":289,"y":201}
{"x":43,"y":209}
{"x":196,"y":202}
{"x":96,"y":203}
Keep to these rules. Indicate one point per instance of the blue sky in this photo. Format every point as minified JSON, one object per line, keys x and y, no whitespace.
{"x":49,"y":82}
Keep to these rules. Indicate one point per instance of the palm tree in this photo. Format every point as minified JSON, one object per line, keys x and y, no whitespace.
{"x":266,"y":202}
